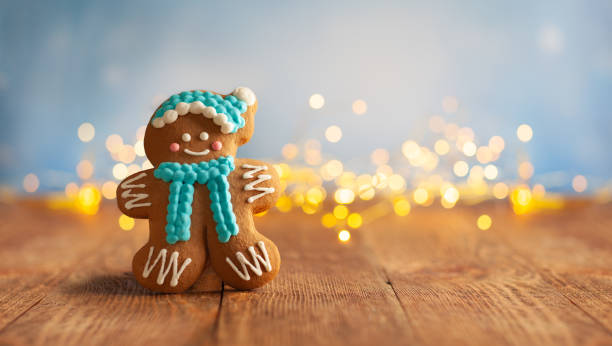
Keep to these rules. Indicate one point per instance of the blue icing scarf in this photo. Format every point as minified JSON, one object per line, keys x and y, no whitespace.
{"x":182,"y":177}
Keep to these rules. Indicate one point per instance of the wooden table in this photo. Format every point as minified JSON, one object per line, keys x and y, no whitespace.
{"x":427,"y":278}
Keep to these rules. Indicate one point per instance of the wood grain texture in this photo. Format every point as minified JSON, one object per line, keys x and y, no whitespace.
{"x":428,"y":278}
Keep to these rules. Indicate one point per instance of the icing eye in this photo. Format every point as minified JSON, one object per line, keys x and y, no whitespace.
{"x":204,"y":135}
{"x":186,"y":137}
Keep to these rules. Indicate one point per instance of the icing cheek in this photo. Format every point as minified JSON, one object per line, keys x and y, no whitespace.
{"x":174,"y":147}
{"x":216,"y":145}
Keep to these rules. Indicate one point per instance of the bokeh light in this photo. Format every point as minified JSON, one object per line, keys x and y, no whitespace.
{"x":524,"y":133}
{"x":86,"y":132}
{"x":333,"y":134}
{"x":126,"y":223}
{"x":484,"y":222}
{"x":316,"y":101}
{"x":450,"y":104}
{"x":109,"y":190}
{"x":344,"y":235}
{"x":31,"y":183}
{"x":579,"y":183}
{"x":360,"y":107}
{"x":85,"y":169}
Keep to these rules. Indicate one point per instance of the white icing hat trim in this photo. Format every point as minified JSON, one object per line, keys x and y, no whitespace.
{"x":245,"y":94}
{"x":197,"y":107}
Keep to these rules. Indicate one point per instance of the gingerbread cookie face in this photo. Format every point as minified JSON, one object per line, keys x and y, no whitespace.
{"x":199,"y":202}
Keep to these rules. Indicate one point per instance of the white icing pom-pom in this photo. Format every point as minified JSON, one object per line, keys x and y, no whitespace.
{"x":227,"y":128}
{"x":158,"y":123}
{"x":197,"y":107}
{"x":209,"y":112}
{"x":170,"y":116}
{"x":182,"y":108}
{"x":220,"y":119}
{"x":245,"y":94}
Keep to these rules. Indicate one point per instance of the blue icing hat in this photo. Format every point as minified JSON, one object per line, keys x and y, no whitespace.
{"x":224,"y":111}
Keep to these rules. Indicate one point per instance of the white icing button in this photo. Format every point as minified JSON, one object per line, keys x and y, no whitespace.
{"x":203,"y":135}
{"x":186,"y":137}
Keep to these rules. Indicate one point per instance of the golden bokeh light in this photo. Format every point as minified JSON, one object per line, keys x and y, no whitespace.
{"x":441,"y":147}
{"x":379,"y":156}
{"x":497,"y":144}
{"x":484,"y":222}
{"x":344,"y":235}
{"x":127,"y":154}
{"x":114,"y":143}
{"x":450,"y":104}
{"x":340,"y":212}
{"x":491,"y":172}
{"x":126,"y":223}
{"x":401,"y":206}
{"x":396,"y":183}
{"x":290,"y":151}
{"x":315,"y":195}
{"x":360,"y":107}
{"x":484,"y":155}
{"x":86,"y":132}
{"x":88,"y":199}
{"x":538,"y":191}
{"x":284,"y":203}
{"x":316,"y":101}
{"x":85,"y":169}
{"x":139,"y":149}
{"x":109,"y":190}
{"x":524,"y":133}
{"x":333,"y":134}
{"x":500,"y":190}
{"x":120,"y":171}
{"x":71,"y":190}
{"x":469,"y":149}
{"x":329,"y":220}
{"x":344,"y":196}
{"x":31,"y":183}
{"x":354,"y":220}
{"x":451,"y":195}
{"x":420,"y":195}
{"x":461,"y":168}
{"x":525,"y":170}
{"x":579,"y":183}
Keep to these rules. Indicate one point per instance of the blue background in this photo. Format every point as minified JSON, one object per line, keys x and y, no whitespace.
{"x":546,"y":63}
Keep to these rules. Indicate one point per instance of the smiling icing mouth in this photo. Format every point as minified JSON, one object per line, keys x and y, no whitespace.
{"x":196,"y":153}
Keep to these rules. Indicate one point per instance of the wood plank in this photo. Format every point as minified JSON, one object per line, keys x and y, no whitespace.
{"x":100,"y":302}
{"x":326,"y":293}
{"x":573,"y":252}
{"x":33,"y":256}
{"x":460,"y":285}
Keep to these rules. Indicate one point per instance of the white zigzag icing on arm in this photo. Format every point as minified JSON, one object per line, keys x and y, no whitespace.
{"x":134,"y":197}
{"x":260,"y":179}
{"x":172,"y":263}
{"x":244,"y":262}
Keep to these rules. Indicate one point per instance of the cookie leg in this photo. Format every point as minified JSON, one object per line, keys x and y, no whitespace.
{"x":162,"y":267}
{"x":248,"y":260}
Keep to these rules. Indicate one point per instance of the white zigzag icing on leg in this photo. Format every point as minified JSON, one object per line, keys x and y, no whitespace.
{"x":244,"y":262}
{"x":172,"y":263}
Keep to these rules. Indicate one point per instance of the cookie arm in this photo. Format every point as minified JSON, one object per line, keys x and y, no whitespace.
{"x":134,"y":194}
{"x":258,"y":182}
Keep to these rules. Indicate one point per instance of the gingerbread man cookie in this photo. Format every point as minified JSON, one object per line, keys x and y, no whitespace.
{"x":199,"y":198}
